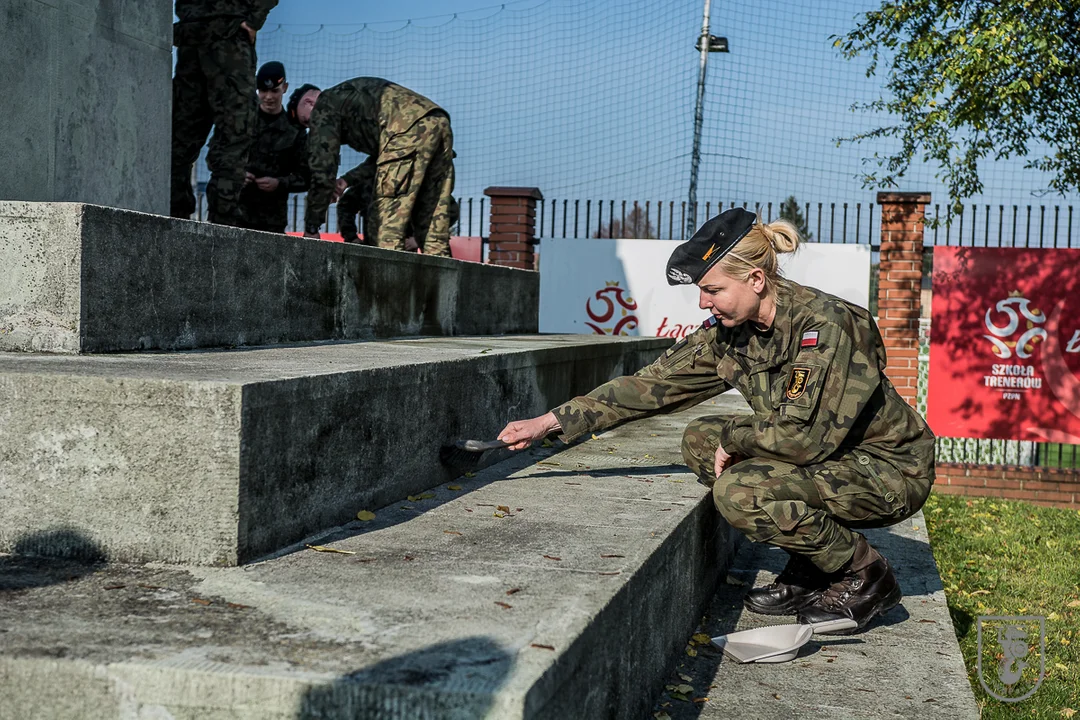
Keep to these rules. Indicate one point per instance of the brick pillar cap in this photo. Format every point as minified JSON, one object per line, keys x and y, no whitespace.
{"x":914,"y":198}
{"x":524,"y":192}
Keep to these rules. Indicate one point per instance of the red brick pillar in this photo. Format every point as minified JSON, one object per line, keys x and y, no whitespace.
{"x":512,"y":231}
{"x":900,"y":286}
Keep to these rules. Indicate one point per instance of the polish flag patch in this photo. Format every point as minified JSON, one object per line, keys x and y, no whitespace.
{"x":809,"y":339}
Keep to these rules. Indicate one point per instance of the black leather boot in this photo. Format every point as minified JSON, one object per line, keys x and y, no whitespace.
{"x":861,"y":590}
{"x":800,"y":584}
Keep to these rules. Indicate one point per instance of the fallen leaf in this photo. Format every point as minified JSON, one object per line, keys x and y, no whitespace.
{"x":455,"y":488}
{"x":611,"y":556}
{"x":552,"y":557}
{"x":665,"y":510}
{"x":502,"y":508}
{"x":512,"y":591}
{"x":1063,"y":668}
{"x":685,"y":678}
{"x":980,"y":592}
{"x":409,"y":557}
{"x":421,"y":496}
{"x":570,"y":483}
{"x":617,"y":572}
{"x":594,"y":437}
{"x":930,"y":700}
{"x":680,"y":696}
{"x":1067,"y":712}
{"x":924,"y":620}
{"x":365,"y":515}
{"x":451,"y":532}
{"x":546,"y":443}
{"x":518,"y":509}
{"x":499,"y":514}
{"x":661,"y":715}
{"x":470,"y":474}
{"x":503,"y":605}
{"x":1052,"y":616}
{"x":691,"y":651}
{"x":324,"y":548}
{"x":468,"y":509}
{"x":237,"y":606}
{"x":734,"y":581}
{"x":113,"y":587}
{"x":486,"y":350}
{"x":776,"y":695}
{"x":701,"y":638}
{"x":684,"y":689}
{"x":701,"y":700}
{"x":542,"y":646}
{"x":1073,"y":603}
{"x":200,"y":601}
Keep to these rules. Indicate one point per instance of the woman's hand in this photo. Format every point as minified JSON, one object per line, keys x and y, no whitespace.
{"x":722,"y":461}
{"x":520,"y":434}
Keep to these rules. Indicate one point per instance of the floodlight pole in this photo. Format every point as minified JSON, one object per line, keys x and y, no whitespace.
{"x":695,"y":154}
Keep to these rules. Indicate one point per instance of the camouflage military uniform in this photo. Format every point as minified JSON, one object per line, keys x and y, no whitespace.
{"x":357,"y":199}
{"x":412,"y":143}
{"x":280,"y":151}
{"x":830,"y":445}
{"x":214,"y":86}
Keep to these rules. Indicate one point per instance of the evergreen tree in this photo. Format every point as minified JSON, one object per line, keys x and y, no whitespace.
{"x":790,"y":211}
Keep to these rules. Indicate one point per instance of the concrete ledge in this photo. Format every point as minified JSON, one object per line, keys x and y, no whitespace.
{"x":221,"y":457}
{"x":88,"y":279}
{"x":572,"y":605}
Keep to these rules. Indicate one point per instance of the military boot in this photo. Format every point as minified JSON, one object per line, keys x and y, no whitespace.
{"x":800,"y":584}
{"x":863,"y":588}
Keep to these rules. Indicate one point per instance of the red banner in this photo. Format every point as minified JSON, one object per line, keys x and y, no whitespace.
{"x":1005,"y":344}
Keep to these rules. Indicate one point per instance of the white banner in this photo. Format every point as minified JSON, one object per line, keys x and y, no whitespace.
{"x":618,"y":287}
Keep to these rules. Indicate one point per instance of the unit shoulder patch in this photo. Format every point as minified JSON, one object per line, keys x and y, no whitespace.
{"x":797,"y":383}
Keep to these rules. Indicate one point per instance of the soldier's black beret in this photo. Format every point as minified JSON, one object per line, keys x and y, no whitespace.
{"x":712,"y":241}
{"x":270,"y":75}
{"x":294,"y":99}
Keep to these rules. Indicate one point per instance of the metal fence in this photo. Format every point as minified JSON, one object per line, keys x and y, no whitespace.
{"x":1019,"y":226}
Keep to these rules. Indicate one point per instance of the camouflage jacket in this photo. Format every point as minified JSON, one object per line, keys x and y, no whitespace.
{"x":363,"y":113}
{"x":815,"y":381}
{"x":204,"y":20}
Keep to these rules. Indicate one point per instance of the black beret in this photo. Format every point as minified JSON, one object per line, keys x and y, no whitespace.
{"x":270,"y":75}
{"x":712,"y":241}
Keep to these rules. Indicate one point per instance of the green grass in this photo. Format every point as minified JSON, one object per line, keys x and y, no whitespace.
{"x":1000,"y":557}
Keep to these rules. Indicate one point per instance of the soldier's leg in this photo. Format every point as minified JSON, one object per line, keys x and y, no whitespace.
{"x":230,"y":78}
{"x":402,"y":165}
{"x":347,"y":208}
{"x":191,"y":122}
{"x":432,"y":214}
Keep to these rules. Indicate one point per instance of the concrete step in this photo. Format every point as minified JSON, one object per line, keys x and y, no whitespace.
{"x":561,"y":583}
{"x":86,"y":279}
{"x":219,"y":457}
{"x":905,"y":664}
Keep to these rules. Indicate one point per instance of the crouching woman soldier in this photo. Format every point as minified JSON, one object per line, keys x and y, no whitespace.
{"x":830,"y":448}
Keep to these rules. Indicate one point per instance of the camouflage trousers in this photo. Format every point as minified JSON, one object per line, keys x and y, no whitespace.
{"x":356,"y":201}
{"x":414,"y":184}
{"x":214,"y":87}
{"x":809,"y":510}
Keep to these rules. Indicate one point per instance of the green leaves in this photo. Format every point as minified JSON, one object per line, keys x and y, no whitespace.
{"x":970,"y":80}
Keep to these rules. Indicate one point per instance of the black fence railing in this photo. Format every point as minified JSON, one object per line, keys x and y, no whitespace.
{"x":1020,"y":226}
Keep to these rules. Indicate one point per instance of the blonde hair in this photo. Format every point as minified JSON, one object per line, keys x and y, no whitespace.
{"x":757,"y":250}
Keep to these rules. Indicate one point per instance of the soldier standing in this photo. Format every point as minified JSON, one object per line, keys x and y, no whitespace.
{"x":412,"y":143}
{"x":831,"y":447}
{"x":278,"y":160}
{"x":214,"y":86}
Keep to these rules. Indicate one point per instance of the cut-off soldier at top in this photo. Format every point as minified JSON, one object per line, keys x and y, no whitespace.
{"x":214,"y":87}
{"x":830,"y":446}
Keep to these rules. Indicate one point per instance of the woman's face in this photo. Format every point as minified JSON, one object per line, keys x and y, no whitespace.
{"x":731,"y":300}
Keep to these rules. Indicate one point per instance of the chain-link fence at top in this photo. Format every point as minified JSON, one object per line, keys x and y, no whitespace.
{"x":595,"y":99}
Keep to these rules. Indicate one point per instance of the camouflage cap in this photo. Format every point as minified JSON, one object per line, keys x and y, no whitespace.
{"x":270,"y":75}
{"x":712,"y":241}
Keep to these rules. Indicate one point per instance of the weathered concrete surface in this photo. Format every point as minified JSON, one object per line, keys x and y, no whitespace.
{"x":219,"y":457}
{"x":86,"y":279}
{"x":570,"y":606}
{"x":904,"y":665}
{"x":88,"y":102}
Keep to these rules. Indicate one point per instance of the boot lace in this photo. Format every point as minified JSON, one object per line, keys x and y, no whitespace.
{"x":841,"y":590}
